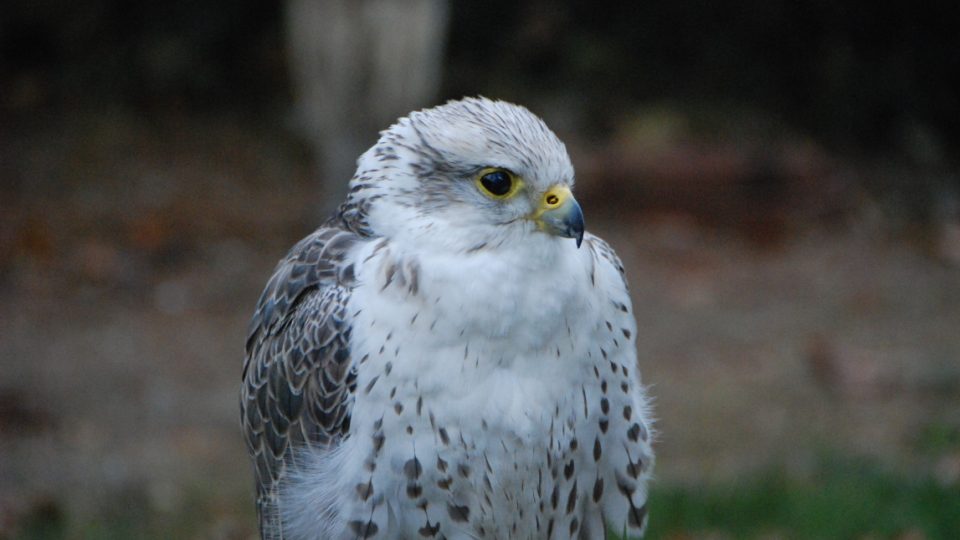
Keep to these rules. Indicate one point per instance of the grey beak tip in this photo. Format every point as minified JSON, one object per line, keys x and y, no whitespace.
{"x":575,"y":224}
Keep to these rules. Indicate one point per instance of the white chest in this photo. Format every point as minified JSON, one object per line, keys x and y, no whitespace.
{"x":482,"y":399}
{"x":476,"y":373}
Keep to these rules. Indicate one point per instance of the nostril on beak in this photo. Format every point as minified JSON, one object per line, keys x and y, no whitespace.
{"x":552,"y":199}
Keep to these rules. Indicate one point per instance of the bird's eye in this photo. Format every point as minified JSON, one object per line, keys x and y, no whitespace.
{"x":498,"y":183}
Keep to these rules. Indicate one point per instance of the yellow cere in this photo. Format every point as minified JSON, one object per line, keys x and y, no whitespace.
{"x":553,"y":198}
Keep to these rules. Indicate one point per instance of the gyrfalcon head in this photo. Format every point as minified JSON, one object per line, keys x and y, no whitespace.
{"x":469,"y":173}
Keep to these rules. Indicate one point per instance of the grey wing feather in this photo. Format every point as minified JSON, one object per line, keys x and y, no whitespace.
{"x":298,"y":377}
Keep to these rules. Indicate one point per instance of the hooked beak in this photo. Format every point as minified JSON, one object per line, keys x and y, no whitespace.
{"x":559,"y":214}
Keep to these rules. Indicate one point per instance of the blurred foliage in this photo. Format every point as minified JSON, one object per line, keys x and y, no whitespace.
{"x":938,"y":437}
{"x":869,"y":76}
{"x":200,"y":54}
{"x":198,"y":516}
{"x":845,"y":499}
{"x":874,"y":83}
{"x":863,"y":74}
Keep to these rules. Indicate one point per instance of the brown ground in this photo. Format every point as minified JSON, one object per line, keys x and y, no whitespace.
{"x":132,"y":252}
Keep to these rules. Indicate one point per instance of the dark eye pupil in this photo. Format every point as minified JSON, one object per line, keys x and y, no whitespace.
{"x":497,"y":182}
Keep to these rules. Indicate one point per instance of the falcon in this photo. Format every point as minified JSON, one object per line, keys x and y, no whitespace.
{"x":450,"y":355}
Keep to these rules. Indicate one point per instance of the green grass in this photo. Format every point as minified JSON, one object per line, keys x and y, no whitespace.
{"x":842,"y":501}
{"x":206,"y":511}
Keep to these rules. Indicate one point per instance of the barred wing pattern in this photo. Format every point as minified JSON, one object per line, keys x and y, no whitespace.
{"x":298,"y":377}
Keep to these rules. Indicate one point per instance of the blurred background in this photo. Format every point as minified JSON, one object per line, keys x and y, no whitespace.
{"x":780,"y":178}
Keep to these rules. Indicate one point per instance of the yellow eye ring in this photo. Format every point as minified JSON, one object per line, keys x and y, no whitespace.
{"x":498,"y":184}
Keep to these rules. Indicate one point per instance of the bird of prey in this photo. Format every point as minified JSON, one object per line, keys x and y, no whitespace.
{"x":450,"y":355}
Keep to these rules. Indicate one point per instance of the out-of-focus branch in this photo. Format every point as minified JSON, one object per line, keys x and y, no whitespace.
{"x":357,"y":65}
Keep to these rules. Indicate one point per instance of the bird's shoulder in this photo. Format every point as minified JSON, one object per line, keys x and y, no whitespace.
{"x":605,"y":264}
{"x":318,"y":261}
